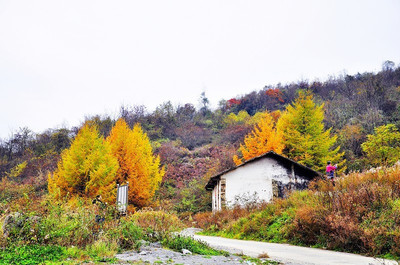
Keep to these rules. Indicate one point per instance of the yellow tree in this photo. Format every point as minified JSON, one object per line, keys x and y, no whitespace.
{"x":137,"y":164}
{"x":262,"y":139}
{"x":304,"y":136}
{"x":86,"y":169}
{"x":383,"y":147}
{"x":242,"y":117}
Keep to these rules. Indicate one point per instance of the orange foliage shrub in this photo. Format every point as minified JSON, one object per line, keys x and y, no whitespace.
{"x":275,"y":93}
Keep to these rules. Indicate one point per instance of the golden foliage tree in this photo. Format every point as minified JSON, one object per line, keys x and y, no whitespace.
{"x":304,"y":136}
{"x":137,"y":164}
{"x":86,"y":169}
{"x":262,"y":139}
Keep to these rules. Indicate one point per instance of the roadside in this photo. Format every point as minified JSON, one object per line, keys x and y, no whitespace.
{"x":287,"y":254}
{"x":154,"y":253}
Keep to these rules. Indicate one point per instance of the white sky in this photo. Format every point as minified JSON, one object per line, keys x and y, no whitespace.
{"x":62,"y":60}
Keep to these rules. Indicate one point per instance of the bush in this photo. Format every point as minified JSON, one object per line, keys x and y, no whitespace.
{"x":214,"y":221}
{"x":102,"y":250}
{"x":31,"y":254}
{"x":127,"y":234}
{"x":67,"y":225}
{"x":14,"y":196}
{"x":179,"y":242}
{"x":21,"y":229}
{"x":157,"y":224}
{"x":72,"y":228}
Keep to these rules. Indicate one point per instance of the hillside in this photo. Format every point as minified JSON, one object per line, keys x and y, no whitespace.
{"x":50,"y":182}
{"x":194,"y":143}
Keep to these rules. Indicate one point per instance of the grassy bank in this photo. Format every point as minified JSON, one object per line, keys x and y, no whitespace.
{"x":42,"y":233}
{"x":360,"y":214}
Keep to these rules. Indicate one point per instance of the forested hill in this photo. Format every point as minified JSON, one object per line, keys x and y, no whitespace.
{"x":194,"y":143}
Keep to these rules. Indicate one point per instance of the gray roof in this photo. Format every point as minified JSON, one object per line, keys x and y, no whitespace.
{"x":213,"y":180}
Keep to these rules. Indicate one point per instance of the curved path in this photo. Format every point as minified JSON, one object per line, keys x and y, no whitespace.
{"x":288,"y":254}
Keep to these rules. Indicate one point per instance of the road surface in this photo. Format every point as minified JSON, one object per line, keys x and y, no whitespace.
{"x":288,"y":254}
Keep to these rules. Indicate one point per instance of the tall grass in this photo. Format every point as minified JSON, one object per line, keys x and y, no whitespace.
{"x":178,"y":243}
{"x":157,"y":224}
{"x":215,"y":221}
{"x":72,"y":226}
{"x":31,"y":255}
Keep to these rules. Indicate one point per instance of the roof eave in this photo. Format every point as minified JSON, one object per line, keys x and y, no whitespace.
{"x":213,"y":180}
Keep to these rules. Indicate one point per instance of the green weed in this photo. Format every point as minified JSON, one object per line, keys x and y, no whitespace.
{"x":257,"y":261}
{"x":179,"y":242}
{"x":127,"y":234}
{"x":157,"y":224}
{"x":102,"y":250}
{"x":31,"y":254}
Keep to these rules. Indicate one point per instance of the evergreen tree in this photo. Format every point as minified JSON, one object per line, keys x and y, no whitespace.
{"x":306,"y":141}
{"x":137,"y":164}
{"x":86,"y":169}
{"x":262,"y":139}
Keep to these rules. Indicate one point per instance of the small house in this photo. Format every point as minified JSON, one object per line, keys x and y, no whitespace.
{"x":259,"y":179}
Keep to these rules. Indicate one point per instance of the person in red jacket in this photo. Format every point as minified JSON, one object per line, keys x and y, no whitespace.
{"x":330,"y":171}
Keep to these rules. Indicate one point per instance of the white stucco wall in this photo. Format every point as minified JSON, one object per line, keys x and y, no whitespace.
{"x":254,"y":181}
{"x":214,"y":205}
{"x":216,"y":197}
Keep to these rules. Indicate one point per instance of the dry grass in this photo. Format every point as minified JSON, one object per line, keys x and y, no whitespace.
{"x":263,"y":256}
{"x":219,"y":220}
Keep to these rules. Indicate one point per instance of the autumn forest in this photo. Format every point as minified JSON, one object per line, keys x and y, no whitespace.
{"x":58,"y":187}
{"x":352,"y":120}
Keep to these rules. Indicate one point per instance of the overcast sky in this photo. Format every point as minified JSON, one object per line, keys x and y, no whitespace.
{"x":62,"y":60}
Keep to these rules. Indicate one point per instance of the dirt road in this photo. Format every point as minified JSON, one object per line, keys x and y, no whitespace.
{"x":289,"y":254}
